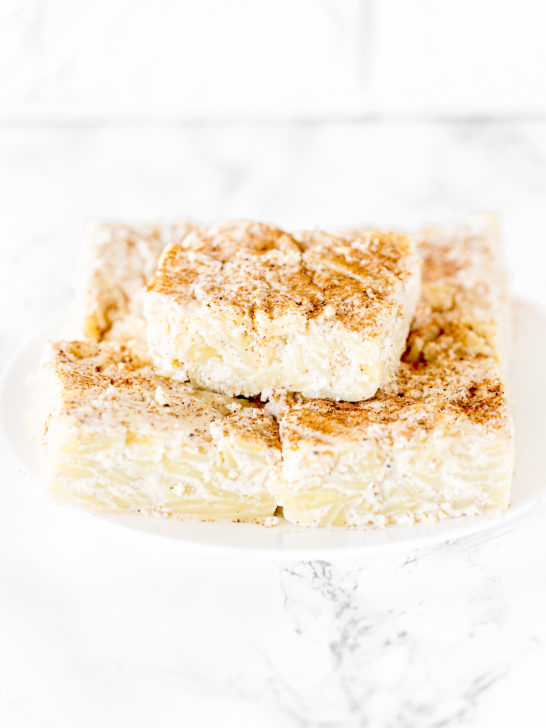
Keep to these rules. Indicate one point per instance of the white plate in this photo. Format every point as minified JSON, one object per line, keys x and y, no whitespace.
{"x":529,"y":396}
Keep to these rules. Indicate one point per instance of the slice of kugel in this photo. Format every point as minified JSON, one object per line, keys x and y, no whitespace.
{"x":119,"y":438}
{"x":438,"y":441}
{"x":244,"y":308}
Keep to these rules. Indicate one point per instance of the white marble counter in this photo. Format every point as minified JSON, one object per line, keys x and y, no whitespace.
{"x":102,"y":626}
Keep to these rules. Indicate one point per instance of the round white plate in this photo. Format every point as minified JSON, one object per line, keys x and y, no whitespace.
{"x":528,"y":391}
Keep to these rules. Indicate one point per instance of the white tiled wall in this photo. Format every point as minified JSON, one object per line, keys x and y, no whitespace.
{"x":121,"y":59}
{"x":458,"y":57}
{"x":116,"y":59}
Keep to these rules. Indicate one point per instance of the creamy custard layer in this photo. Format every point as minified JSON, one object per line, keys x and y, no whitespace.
{"x":117,"y":437}
{"x":244,"y":308}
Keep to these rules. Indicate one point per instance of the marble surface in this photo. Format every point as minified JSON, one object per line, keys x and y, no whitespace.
{"x":102,"y":626}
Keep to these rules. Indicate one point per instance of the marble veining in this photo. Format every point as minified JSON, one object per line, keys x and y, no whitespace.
{"x":365,"y":627}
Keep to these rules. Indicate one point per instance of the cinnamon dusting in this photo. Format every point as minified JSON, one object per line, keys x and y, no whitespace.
{"x":256,"y":268}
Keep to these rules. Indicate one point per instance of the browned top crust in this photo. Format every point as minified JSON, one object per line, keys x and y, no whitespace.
{"x":105,"y":384}
{"x":421,"y":398}
{"x":464,"y":308}
{"x":450,"y":373}
{"x":256,"y":268}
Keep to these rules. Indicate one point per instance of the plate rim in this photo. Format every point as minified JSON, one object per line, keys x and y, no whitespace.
{"x":465,"y":527}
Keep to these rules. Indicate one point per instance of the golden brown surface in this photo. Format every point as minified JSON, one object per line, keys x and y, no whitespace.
{"x":421,"y":397}
{"x":260,"y":269}
{"x":106,"y":383}
{"x":451,"y":367}
{"x":463,"y":307}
